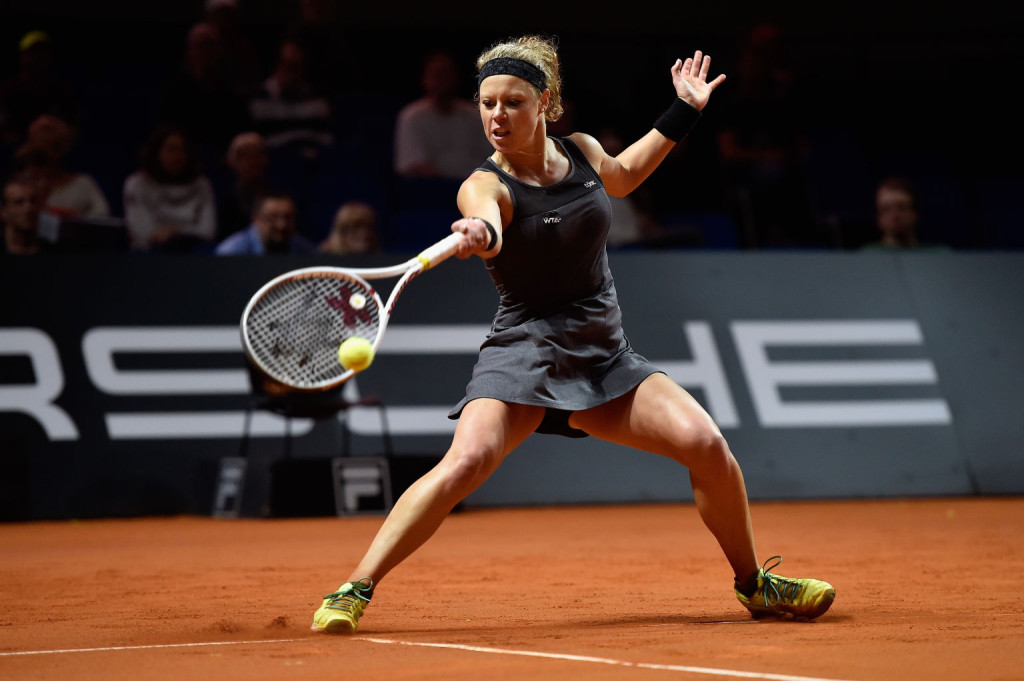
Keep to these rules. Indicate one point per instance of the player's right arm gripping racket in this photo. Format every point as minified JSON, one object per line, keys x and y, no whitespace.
{"x":293,"y":325}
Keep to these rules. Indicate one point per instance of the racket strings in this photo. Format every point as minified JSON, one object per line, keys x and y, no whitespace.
{"x":294,"y":332}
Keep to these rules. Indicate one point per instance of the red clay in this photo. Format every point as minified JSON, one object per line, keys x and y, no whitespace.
{"x":927,"y":589}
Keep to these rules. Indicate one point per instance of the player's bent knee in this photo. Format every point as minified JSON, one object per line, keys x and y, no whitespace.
{"x":706,"y":450}
{"x":464,"y":471}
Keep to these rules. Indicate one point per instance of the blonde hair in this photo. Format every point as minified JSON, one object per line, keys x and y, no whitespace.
{"x":541,"y":52}
{"x":350,"y":217}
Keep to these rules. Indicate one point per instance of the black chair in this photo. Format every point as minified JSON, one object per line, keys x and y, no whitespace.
{"x":268,"y":396}
{"x":298,"y":487}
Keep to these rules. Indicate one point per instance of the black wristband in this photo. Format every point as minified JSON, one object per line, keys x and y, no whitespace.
{"x":492,"y":230}
{"x":677,"y":122}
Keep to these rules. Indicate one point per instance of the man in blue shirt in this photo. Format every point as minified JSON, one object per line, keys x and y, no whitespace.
{"x":272,"y":230}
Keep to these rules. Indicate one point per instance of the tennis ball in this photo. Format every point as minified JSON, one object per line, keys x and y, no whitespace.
{"x":355,"y":353}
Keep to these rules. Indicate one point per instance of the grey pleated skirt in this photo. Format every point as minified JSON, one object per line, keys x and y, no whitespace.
{"x":573,"y":359}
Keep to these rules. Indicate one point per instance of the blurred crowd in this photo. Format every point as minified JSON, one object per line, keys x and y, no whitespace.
{"x":258,"y":146}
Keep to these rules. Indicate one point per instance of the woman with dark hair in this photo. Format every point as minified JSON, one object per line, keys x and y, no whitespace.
{"x":169,"y":204}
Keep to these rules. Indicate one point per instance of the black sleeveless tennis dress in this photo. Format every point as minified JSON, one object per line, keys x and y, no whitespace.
{"x":557,"y":339}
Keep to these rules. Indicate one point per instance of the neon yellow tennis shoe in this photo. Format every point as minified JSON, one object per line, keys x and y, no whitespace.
{"x":781,"y":596}
{"x":342,"y":609}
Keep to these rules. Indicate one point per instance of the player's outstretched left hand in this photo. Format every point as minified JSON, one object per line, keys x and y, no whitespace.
{"x":690,"y":79}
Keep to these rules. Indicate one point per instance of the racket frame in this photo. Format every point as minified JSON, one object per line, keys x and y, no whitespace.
{"x":406,"y":272}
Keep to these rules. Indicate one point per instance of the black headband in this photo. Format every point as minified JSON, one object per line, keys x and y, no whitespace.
{"x":507,"y":66}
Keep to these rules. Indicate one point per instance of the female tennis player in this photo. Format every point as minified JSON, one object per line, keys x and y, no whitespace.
{"x":556,"y":359}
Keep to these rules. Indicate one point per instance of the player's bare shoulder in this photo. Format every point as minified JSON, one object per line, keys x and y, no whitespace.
{"x":591,"y":148}
{"x":481,"y":183}
{"x":484,"y":186}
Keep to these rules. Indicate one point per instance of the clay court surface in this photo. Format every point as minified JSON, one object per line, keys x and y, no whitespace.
{"x":927,"y":590}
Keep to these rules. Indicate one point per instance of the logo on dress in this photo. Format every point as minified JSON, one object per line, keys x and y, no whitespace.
{"x":590,"y":183}
{"x":552,"y":218}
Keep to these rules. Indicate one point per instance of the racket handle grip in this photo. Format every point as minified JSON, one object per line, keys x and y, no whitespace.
{"x":441,"y":251}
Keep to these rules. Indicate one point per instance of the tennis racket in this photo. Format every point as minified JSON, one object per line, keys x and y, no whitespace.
{"x":293,"y":324}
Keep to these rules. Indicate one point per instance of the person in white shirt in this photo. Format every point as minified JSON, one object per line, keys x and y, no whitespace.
{"x":287,"y":110}
{"x":438,"y":135}
{"x":68,"y":194}
{"x":169,"y":204}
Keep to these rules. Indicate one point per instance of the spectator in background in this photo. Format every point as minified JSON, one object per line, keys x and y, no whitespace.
{"x":36,"y":166}
{"x":248,"y":161}
{"x":20,"y":212}
{"x":35,"y":89}
{"x":288,"y":111}
{"x":169,"y":204}
{"x":273,"y":230}
{"x":66,"y":194}
{"x":241,"y":63}
{"x":762,"y":146}
{"x":354,"y":230}
{"x":201,"y":99}
{"x":439,"y":134}
{"x":320,"y":33}
{"x":896,"y":209}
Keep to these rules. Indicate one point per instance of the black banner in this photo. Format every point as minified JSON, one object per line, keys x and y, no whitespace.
{"x":123,"y":386}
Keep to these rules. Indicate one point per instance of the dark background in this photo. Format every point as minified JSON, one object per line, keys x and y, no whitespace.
{"x":933,"y":86}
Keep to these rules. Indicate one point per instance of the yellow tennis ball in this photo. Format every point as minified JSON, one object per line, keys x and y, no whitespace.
{"x":355,"y":353}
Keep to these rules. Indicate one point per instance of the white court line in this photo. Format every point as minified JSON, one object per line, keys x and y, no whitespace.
{"x":711,"y":671}
{"x":149,"y":647}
